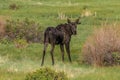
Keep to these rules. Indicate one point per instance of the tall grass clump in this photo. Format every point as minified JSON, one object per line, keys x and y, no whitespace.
{"x":46,"y":74}
{"x":61,"y":16}
{"x":102,"y":48}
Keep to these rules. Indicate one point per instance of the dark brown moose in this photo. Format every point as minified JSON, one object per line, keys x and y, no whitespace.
{"x":60,"y":35}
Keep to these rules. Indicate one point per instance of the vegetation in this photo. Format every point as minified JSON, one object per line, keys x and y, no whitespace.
{"x":26,"y":29}
{"x":13,"y":6}
{"x":16,"y":63}
{"x":103,"y":48}
{"x":46,"y":74}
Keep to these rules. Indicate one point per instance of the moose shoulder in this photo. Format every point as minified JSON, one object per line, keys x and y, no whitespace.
{"x":60,"y":35}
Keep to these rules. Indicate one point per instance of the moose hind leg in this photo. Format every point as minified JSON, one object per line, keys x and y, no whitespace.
{"x":44,"y":52}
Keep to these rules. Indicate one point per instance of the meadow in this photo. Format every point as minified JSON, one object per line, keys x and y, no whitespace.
{"x":15,"y":63}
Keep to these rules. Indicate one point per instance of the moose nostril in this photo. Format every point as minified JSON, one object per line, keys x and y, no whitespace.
{"x":75,"y":33}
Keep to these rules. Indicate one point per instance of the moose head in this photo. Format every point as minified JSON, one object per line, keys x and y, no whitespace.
{"x":73,"y":25}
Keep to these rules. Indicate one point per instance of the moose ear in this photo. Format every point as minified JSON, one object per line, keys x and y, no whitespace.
{"x":68,"y":20}
{"x":77,"y":21}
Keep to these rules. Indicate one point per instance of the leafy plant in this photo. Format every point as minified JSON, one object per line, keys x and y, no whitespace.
{"x":46,"y":74}
{"x":116,"y":57}
{"x":5,"y":41}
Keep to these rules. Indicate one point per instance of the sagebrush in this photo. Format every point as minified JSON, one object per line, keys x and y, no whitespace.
{"x":99,"y":48}
{"x":23,"y":29}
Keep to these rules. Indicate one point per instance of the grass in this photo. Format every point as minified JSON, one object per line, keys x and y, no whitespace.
{"x":16,"y":63}
{"x":101,"y":74}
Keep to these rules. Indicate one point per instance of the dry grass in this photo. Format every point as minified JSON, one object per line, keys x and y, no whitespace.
{"x":61,"y":16}
{"x":99,"y":47}
{"x":2,"y":25}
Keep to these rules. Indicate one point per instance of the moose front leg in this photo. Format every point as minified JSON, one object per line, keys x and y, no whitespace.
{"x":67,"y":46}
{"x":51,"y":52}
{"x":62,"y":51}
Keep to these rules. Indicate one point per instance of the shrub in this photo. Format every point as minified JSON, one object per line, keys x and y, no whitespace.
{"x":13,"y":6}
{"x":116,"y":57}
{"x":5,"y":41}
{"x":99,"y":48}
{"x":46,"y":74}
{"x":26,"y":29}
{"x":20,"y":43}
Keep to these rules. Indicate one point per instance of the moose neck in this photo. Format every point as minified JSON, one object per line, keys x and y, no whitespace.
{"x":68,"y":30}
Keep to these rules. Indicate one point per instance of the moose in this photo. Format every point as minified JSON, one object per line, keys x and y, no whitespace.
{"x":60,"y":35}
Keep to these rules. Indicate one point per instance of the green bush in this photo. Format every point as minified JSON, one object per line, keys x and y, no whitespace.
{"x":116,"y":58}
{"x":13,"y":6}
{"x":46,"y":74}
{"x":5,"y":41}
{"x":23,"y":29}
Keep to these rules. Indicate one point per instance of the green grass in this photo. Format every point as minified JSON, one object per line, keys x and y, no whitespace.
{"x":16,"y":63}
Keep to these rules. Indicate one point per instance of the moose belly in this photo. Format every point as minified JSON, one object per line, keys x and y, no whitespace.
{"x":59,"y":40}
